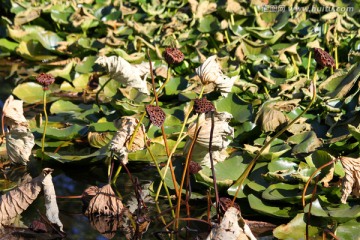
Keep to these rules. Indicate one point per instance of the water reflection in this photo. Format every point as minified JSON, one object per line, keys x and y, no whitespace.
{"x":72,"y":182}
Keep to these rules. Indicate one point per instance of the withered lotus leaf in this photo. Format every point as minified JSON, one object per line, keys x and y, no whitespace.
{"x":105,"y":202}
{"x":52,"y":210}
{"x":19,"y":139}
{"x":351,"y":181}
{"x":232,"y":226}
{"x":120,"y":141}
{"x":130,"y":75}
{"x":17,"y":200}
{"x":210,"y":73}
{"x":222,"y":130}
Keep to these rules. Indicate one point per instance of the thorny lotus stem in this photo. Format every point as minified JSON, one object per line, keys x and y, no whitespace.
{"x":162,"y":179}
{"x":309,"y":212}
{"x":308,"y":65}
{"x":45,"y":124}
{"x":188,"y":157}
{"x":311,"y":177}
{"x":212,"y":167}
{"x":248,"y":169}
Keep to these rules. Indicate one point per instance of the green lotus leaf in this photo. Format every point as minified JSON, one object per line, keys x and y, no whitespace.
{"x":102,"y":127}
{"x":86,"y":65}
{"x":340,"y":83}
{"x":79,"y":84}
{"x":291,"y":193}
{"x":67,"y":133}
{"x":318,"y":159}
{"x":34,"y":51}
{"x":270,"y":209}
{"x":295,"y":229}
{"x":61,"y":14}
{"x":7,"y":46}
{"x":96,"y":156}
{"x":64,"y":72}
{"x":341,"y":212}
{"x":143,"y":155}
{"x":62,"y":106}
{"x":48,"y":40}
{"x":240,"y":110}
{"x":348,"y":230}
{"x":208,"y":24}
{"x":29,"y":92}
{"x":305,"y":142}
{"x":226,"y":172}
{"x":283,"y":164}
{"x":277,"y":148}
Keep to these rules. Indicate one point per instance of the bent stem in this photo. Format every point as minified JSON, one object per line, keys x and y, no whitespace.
{"x":311,"y":177}
{"x":45,"y":125}
{"x":249,"y":168}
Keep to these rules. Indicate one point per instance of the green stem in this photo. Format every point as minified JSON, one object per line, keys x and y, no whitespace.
{"x":248,"y":169}
{"x":45,"y":124}
{"x":98,"y":92}
{"x":308,"y":65}
{"x":294,"y":64}
{"x":162,"y":180}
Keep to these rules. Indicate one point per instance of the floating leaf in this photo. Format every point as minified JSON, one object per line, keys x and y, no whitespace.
{"x":306,"y":142}
{"x":295,"y":229}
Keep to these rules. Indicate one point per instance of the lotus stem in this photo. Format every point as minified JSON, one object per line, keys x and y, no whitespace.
{"x":162,"y":180}
{"x":188,"y":157}
{"x":45,"y":124}
{"x":248,"y":169}
{"x":98,"y":92}
{"x":151,"y":102}
{"x":309,"y":213}
{"x":311,"y":177}
{"x":294,"y":64}
{"x":308,"y":65}
{"x":162,"y":126}
{"x":212,"y":167}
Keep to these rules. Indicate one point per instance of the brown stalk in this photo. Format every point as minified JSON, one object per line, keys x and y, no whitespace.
{"x":311,"y":177}
{"x":162,"y":128}
{"x":212,"y":167}
{"x":188,"y":157}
